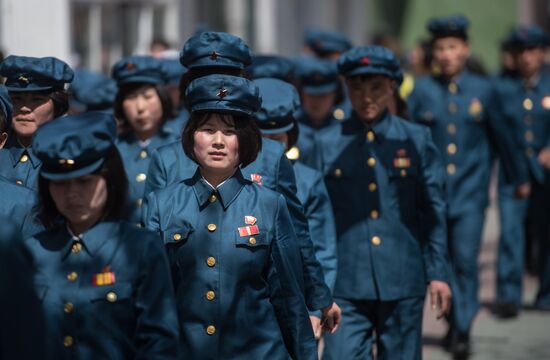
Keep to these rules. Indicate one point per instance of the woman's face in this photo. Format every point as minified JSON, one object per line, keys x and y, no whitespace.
{"x":370,"y":96}
{"x":318,"y":106}
{"x":216,"y":146}
{"x":143,"y":110}
{"x":81,"y":200}
{"x":30,"y":111}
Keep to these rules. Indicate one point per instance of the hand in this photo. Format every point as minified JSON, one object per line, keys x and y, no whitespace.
{"x":522,"y":191}
{"x":544,"y":158}
{"x":440,"y":297}
{"x":331,"y":318}
{"x":317,"y":328}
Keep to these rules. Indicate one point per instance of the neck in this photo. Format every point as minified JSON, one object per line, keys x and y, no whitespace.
{"x":530,"y":78}
{"x":81,"y":227}
{"x":146,"y":135}
{"x":452,"y":77}
{"x":24,"y":141}
{"x":216,"y":178}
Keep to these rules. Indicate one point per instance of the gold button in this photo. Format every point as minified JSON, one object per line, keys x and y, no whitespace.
{"x":210,"y":295}
{"x":376,"y":240}
{"x":338,"y":114}
{"x":453,"y":88}
{"x":403,"y":173}
{"x":210,"y":330}
{"x":528,"y":104}
{"x":372,"y":187}
{"x":529,"y":152}
{"x":451,"y":169}
{"x":111,"y":296}
{"x":68,"y":341}
{"x":529,"y":136}
{"x":68,"y":308}
{"x":211,"y":261}
{"x":24,"y":158}
{"x":19,"y":182}
{"x":453,"y":108}
{"x":176,"y":237}
{"x":212,"y":198}
{"x":252,"y":241}
{"x":72,"y":276}
{"x":211,"y":227}
{"x":451,"y":148}
{"x":451,"y":129}
{"x":528,"y":120}
{"x":374,"y":214}
{"x":338,"y":172}
{"x":141,"y":177}
{"x":371,"y":162}
{"x":370,"y":136}
{"x":143,"y":154}
{"x":76,"y":248}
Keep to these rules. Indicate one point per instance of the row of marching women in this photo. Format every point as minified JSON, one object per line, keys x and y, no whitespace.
{"x":226,"y":205}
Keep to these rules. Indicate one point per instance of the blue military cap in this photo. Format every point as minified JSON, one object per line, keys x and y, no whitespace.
{"x":5,"y":104}
{"x":74,"y":145}
{"x":449,"y":26}
{"x":174,"y":70}
{"x":271,"y":66}
{"x":223,"y":93}
{"x":526,"y":37}
{"x":375,"y":60}
{"x":139,"y":69}
{"x":317,"y":76}
{"x":215,"y":49}
{"x":25,"y":73}
{"x":279,"y":102}
{"x":92,"y":91}
{"x":325,"y":42}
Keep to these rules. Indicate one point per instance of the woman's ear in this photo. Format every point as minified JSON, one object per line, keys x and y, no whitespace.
{"x":3,"y":139}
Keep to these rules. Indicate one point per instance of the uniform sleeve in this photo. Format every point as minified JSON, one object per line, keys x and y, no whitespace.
{"x":157,"y":177}
{"x":503,"y":135}
{"x":20,"y":309}
{"x":322,"y":229}
{"x":436,"y":259}
{"x":150,"y":214}
{"x":284,"y":274}
{"x":157,"y":329}
{"x":317,"y":293}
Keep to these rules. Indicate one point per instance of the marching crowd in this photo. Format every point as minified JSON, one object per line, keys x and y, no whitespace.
{"x":226,"y":205}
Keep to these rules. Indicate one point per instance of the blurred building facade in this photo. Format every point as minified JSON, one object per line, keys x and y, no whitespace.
{"x":95,"y":33}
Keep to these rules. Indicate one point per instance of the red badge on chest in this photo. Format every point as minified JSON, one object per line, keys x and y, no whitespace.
{"x":105,"y":277}
{"x":401,"y":160}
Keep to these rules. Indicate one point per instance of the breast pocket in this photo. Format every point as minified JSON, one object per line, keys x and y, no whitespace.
{"x":176,"y":236}
{"x":116,"y":294}
{"x":254,"y":249}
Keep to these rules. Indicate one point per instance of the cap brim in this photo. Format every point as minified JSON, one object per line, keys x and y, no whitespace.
{"x":319,"y":89}
{"x":221,"y":107}
{"x":29,"y":89}
{"x":71,"y":174}
{"x":141,"y":80}
{"x":276,"y":130}
{"x":220,"y":62}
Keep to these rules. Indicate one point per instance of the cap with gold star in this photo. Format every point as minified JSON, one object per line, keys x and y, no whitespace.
{"x":25,"y":73}
{"x":74,"y":145}
{"x":223,"y":94}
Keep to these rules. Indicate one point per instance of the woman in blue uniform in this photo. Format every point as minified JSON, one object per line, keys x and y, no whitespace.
{"x":104,"y":284}
{"x":232,"y":248}
{"x":275,"y":120}
{"x":142,"y":108}
{"x":321,"y":93}
{"x":37,"y":90}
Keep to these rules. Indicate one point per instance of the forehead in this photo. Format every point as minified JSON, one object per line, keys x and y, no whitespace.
{"x":449,"y":41}
{"x":367,"y":80}
{"x":215,"y":119}
{"x":139,"y":88}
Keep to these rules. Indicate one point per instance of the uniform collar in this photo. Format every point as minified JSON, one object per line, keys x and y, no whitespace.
{"x":532,"y":83}
{"x":458,"y":81}
{"x":379,"y":127}
{"x":17,"y":152}
{"x":155,"y":141}
{"x":226,"y":192}
{"x":93,"y":239}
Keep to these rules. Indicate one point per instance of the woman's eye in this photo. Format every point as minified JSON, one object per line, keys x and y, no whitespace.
{"x":230,"y":132}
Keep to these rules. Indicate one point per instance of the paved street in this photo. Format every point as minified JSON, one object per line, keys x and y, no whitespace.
{"x":527,"y":337}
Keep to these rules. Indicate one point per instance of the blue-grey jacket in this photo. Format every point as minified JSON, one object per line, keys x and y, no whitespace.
{"x":386,"y":190}
{"x":236,"y":268}
{"x":106,"y":294}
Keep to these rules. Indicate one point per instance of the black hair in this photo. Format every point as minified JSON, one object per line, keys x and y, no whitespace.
{"x":112,"y":170}
{"x":248,"y":135}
